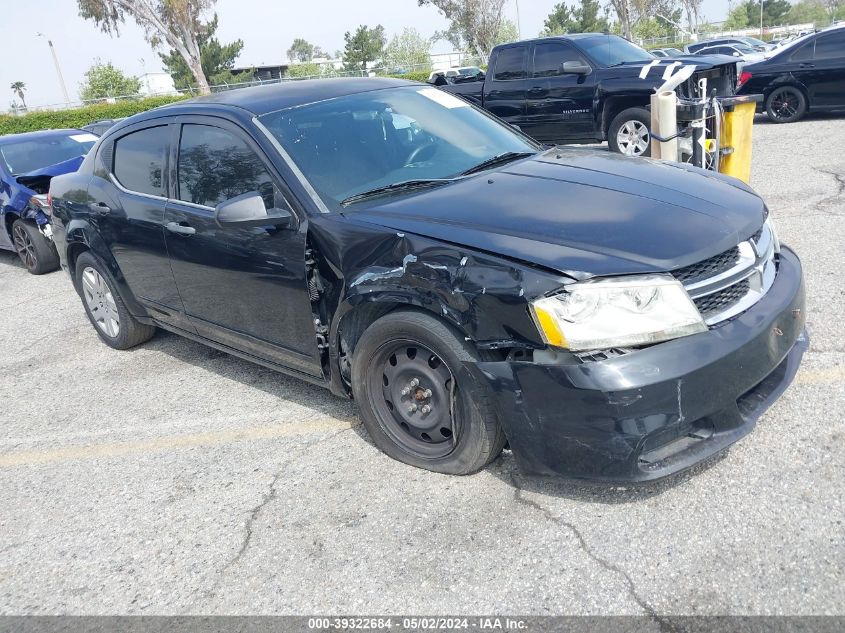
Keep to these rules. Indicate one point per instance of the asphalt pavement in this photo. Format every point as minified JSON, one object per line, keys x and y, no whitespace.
{"x":175,"y":479}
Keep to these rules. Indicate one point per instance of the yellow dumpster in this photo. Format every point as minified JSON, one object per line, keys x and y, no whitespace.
{"x":735,"y":135}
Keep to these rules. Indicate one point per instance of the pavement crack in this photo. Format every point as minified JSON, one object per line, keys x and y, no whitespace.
{"x":520,"y":498}
{"x":268,"y":497}
{"x":840,"y":182}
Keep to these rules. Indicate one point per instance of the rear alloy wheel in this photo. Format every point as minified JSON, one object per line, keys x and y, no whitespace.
{"x":406,"y":380}
{"x":104,"y":306}
{"x":629,"y":134}
{"x":786,"y":105}
{"x":36,"y":252}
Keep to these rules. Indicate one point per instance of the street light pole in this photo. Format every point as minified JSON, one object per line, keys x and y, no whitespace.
{"x":58,"y":68}
{"x":518,"y":21}
{"x":761,"y":19}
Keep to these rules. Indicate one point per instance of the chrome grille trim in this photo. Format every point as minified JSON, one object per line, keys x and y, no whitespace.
{"x":755,"y":268}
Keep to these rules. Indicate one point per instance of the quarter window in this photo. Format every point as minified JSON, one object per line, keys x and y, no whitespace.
{"x":139,"y":160}
{"x":215,"y":166}
{"x":805,"y":52}
{"x":549,"y":59}
{"x":510,"y":64}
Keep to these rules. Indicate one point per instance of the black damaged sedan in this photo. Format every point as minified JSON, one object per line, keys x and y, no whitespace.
{"x":606,"y":317}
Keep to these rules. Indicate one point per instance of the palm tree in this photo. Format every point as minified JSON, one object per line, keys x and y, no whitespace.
{"x":18,"y":87}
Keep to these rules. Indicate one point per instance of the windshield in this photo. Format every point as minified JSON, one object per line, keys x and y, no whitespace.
{"x":745,"y":50}
{"x":753,"y":41}
{"x":364,"y":141}
{"x":26,"y":156}
{"x":612,"y":50}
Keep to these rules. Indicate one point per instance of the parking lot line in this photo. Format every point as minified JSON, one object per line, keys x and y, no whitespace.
{"x":212,"y":438}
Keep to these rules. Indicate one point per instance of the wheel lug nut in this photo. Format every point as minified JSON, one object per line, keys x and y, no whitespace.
{"x":415,"y":382}
{"x":427,"y":393}
{"x":406,"y":391}
{"x":425,"y":409}
{"x":412,"y":408}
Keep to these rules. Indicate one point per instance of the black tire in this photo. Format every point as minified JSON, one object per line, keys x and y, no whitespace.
{"x":130,"y":332}
{"x":635,"y":118}
{"x":478,"y":437}
{"x":37,"y":253}
{"x":786,"y":104}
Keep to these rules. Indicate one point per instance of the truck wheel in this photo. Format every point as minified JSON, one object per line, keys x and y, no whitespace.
{"x":629,"y":133}
{"x":405,"y":379}
{"x":786,"y":105}
{"x":37,"y":253}
{"x":104,"y":307}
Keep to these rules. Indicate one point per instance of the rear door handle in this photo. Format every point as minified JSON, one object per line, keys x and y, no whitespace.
{"x":806,"y":65}
{"x":181,"y":229}
{"x":100,"y":208}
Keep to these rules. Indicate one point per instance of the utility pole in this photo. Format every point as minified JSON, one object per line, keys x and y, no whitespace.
{"x":761,"y":19}
{"x":518,"y":21}
{"x":58,"y":68}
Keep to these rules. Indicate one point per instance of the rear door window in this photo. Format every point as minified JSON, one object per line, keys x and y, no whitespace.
{"x":215,"y":166}
{"x":511,"y":64}
{"x":139,"y":159}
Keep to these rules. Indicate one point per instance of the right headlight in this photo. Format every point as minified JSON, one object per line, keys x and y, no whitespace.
{"x":617,"y":312}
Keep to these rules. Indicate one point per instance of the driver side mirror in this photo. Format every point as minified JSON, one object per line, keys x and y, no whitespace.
{"x":248,"y":210}
{"x":576,"y":68}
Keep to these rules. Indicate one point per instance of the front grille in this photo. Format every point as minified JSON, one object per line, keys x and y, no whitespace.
{"x":709,"y":267}
{"x":722,"y":300}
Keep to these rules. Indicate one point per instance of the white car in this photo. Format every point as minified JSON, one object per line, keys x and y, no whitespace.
{"x":744,"y":54}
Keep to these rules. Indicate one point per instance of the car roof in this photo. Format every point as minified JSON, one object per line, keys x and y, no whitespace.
{"x":40,"y":134}
{"x":260,"y":100}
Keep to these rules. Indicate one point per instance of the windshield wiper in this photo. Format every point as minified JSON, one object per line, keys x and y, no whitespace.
{"x":405,"y":185}
{"x":500,"y":159}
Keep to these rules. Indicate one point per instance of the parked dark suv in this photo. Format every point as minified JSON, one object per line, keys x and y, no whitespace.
{"x":608,"y":317}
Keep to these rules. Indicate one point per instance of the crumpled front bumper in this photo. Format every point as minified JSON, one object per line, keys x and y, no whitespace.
{"x":656,"y":411}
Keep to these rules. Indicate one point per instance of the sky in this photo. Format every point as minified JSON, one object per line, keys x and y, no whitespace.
{"x":267,"y":28}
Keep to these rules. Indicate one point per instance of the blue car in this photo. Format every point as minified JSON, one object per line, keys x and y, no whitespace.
{"x":27,"y":163}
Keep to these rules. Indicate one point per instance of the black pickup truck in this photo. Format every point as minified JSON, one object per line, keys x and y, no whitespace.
{"x":586,"y":87}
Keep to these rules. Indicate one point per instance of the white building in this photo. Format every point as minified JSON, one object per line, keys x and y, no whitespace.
{"x":156,"y":84}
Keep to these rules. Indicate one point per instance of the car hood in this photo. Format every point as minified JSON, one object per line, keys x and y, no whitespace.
{"x":583,"y":213}
{"x":57,"y":169}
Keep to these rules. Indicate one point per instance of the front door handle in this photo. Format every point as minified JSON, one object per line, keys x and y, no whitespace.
{"x":181,"y":229}
{"x":100,"y":208}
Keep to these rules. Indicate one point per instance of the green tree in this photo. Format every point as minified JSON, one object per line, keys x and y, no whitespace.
{"x":774,"y":12}
{"x":508,"y":32}
{"x":301,"y":51}
{"x":408,"y":49}
{"x":362,"y":47}
{"x":737,"y":18}
{"x":559,"y":22}
{"x":19,"y":87}
{"x":216,"y":59}
{"x":474,"y":24}
{"x":175,"y":23}
{"x":586,"y":18}
{"x":808,"y":11}
{"x":104,"y":80}
{"x":305,"y":69}
{"x":583,"y":18}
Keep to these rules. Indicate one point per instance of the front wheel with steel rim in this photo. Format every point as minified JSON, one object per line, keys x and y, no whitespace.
{"x":629,"y":134}
{"x":37,"y":253}
{"x":415,"y":401}
{"x":786,"y":105}
{"x":104,"y":306}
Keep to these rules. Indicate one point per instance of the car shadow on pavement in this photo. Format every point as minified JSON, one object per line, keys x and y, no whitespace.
{"x":506,"y":469}
{"x":10,"y":259}
{"x":763,"y":119}
{"x":252,"y":375}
